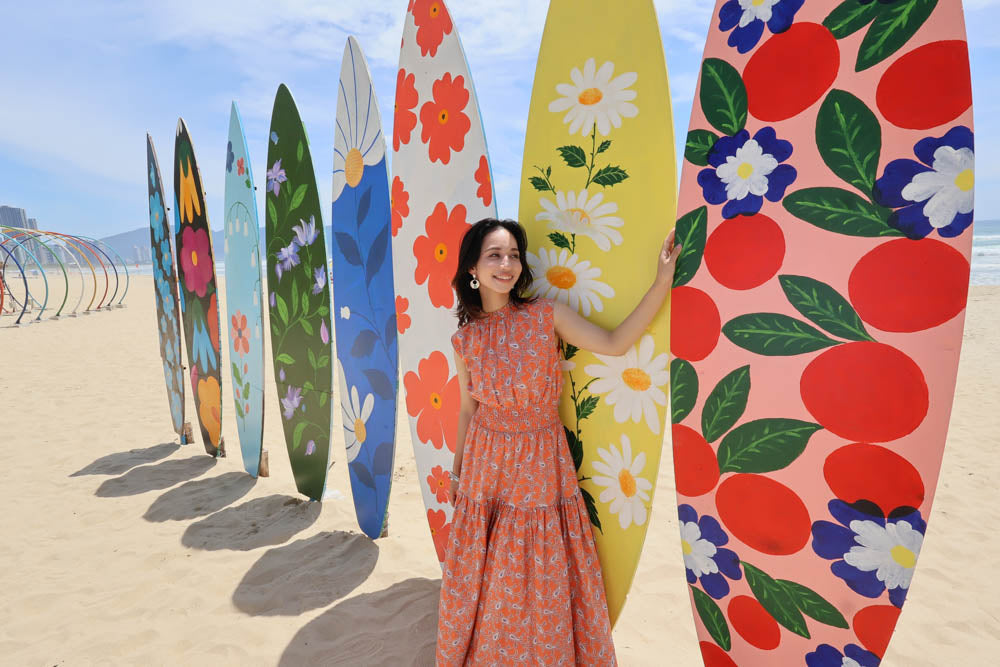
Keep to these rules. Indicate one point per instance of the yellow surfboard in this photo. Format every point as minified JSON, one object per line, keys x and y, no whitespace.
{"x":598,"y":188}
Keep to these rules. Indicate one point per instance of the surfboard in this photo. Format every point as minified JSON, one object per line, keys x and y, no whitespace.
{"x":197,"y":290}
{"x":825,"y":211}
{"x":441,"y":184}
{"x":363,"y":294}
{"x":244,"y":296}
{"x":597,"y":201}
{"x":168,"y":326}
{"x":299,"y":297}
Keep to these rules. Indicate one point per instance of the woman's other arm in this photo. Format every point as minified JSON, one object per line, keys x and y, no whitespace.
{"x":465,"y":413}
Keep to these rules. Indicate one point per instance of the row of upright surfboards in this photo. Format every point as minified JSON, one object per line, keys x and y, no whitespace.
{"x":824,"y":210}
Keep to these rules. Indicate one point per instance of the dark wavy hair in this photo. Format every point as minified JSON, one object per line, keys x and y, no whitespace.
{"x":470,"y":303}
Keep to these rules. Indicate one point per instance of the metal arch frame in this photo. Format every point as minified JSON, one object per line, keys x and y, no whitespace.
{"x":82,"y":245}
{"x":120,"y":259}
{"x":36,"y":235}
{"x":45,"y":279}
{"x":3,"y":281}
{"x":62,"y":244}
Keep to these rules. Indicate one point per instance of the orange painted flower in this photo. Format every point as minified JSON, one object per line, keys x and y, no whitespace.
{"x":213,"y":321}
{"x":190,"y":202}
{"x":444,"y":125}
{"x":440,"y":482}
{"x":433,"y":23}
{"x":404,"y":120}
{"x":209,"y":408}
{"x":437,"y":253}
{"x":399,"y":199}
{"x":238,"y":334}
{"x":485,"y":191}
{"x":403,"y":320}
{"x":432,"y":396}
{"x":440,"y":531}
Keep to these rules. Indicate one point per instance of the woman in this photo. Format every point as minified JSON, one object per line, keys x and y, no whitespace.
{"x":522,"y":582}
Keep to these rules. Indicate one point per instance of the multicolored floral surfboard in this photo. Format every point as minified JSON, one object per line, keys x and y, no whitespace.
{"x":299,"y":297}
{"x":597,"y":199}
{"x":165,"y":290}
{"x":367,"y":354}
{"x":198,"y":295}
{"x":826,"y":210}
{"x":441,"y":184}
{"x":243,"y":296}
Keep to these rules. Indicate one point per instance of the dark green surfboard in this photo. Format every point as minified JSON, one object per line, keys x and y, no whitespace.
{"x":299,"y":297}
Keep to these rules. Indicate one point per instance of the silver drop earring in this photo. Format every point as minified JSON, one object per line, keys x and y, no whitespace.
{"x":474,"y":283}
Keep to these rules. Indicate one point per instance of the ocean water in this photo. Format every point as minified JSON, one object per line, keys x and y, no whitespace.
{"x":986,"y":252}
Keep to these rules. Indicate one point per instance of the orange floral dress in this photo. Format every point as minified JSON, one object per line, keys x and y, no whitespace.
{"x":522,"y":582}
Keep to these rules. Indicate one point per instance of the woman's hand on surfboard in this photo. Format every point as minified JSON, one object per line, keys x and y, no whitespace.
{"x":667,"y":261}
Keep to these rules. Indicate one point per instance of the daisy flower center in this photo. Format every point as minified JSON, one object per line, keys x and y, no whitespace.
{"x":903,"y":556}
{"x":965,"y":180}
{"x":745,"y":170}
{"x":436,"y":400}
{"x":360,"y":433}
{"x":627,"y":483}
{"x":354,"y":166}
{"x":443,"y":116}
{"x":636,"y":379}
{"x":440,"y":252}
{"x":757,"y":3}
{"x":590,"y":96}
{"x":194,"y":258}
{"x":561,"y":277}
{"x":686,"y":548}
{"x":580,"y":215}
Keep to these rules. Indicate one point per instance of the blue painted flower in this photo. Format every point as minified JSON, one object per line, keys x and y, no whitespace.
{"x":274,"y":138}
{"x":287,"y":258}
{"x":275,"y":177}
{"x":853,"y":656}
{"x":156,"y":216}
{"x":704,"y":560}
{"x":749,"y":16}
{"x":152,"y":175}
{"x":935,"y":193}
{"x":306,"y":233}
{"x":320,"y":278}
{"x":291,"y":401}
{"x":204,"y":353}
{"x":230,"y":157}
{"x":743,"y":170}
{"x":176,"y":410}
{"x":871,"y":553}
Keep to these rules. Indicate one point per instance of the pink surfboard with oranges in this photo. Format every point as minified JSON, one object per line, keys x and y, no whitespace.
{"x":826,"y":210}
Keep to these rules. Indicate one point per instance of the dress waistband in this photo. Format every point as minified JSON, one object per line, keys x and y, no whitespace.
{"x":518,"y":419}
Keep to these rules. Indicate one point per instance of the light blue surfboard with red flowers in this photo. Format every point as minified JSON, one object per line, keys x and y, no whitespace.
{"x":363,"y":294}
{"x":244,"y":296}
{"x":825,"y":208}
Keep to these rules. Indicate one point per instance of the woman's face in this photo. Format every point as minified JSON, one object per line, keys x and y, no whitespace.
{"x":499,"y":264}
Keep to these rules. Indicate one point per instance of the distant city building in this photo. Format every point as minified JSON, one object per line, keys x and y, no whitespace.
{"x":11,"y":216}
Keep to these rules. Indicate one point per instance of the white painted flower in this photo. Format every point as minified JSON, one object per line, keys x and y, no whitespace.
{"x":563,"y":277}
{"x":578,"y":213}
{"x":698,"y":552}
{"x":948,"y":189}
{"x":358,"y":140}
{"x":345,"y":313}
{"x":634,"y":382}
{"x":595,"y":98}
{"x":756,"y":9}
{"x":566,"y":365}
{"x":355,"y":414}
{"x":890,"y":551}
{"x":627,"y":492}
{"x":746,"y":172}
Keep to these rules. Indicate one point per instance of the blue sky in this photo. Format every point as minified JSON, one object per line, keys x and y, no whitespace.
{"x":82,"y":83}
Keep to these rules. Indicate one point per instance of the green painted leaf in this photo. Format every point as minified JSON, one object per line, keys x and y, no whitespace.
{"x":824,"y":306}
{"x":764,"y":445}
{"x":575,"y":448}
{"x":609,"y":176}
{"x":246,"y":390}
{"x":698,"y":145}
{"x":298,"y":151}
{"x":683,"y":389}
{"x":559,"y":240}
{"x":324,"y":361}
{"x":298,"y":196}
{"x":840,"y":211}
{"x":586,"y":407}
{"x":725,"y":405}
{"x":849,"y":139}
{"x":713,"y":618}
{"x":691,"y":230}
{"x":569,"y":351}
{"x":282,"y":308}
{"x":297,"y":434}
{"x":775,"y":335}
{"x":307,"y":385}
{"x":307,"y":327}
{"x":588,"y":500}
{"x":850,"y":16}
{"x":285,"y":358}
{"x":272,"y":212}
{"x":312,"y":358}
{"x":305,"y":303}
{"x":723,"y":96}
{"x":605,"y":145}
{"x":322,"y":398}
{"x":248,"y":184}
{"x":892,"y":28}
{"x":775,"y":600}
{"x":539,"y":183}
{"x":812,"y":604}
{"x":294,"y":300}
{"x":573,"y":156}
{"x":237,"y":376}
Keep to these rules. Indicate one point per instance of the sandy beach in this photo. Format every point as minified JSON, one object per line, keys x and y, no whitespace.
{"x":122,"y":547}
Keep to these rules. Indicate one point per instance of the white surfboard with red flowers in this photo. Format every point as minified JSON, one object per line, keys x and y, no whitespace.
{"x":441,"y":185}
{"x":825,"y":213}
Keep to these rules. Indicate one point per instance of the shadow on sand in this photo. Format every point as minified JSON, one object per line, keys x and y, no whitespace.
{"x":200,"y":497}
{"x":155,"y":477}
{"x":307,"y":574}
{"x":394,"y":626}
{"x":261,"y":522}
{"x":119,"y":462}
